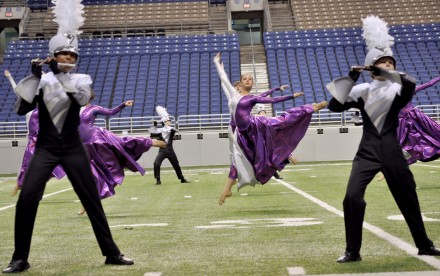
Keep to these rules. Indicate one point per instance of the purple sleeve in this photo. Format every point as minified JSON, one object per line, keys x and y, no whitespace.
{"x":267,"y":93}
{"x":261,"y":99}
{"x":106,"y":111}
{"x":426,"y":85}
{"x":33,"y":126}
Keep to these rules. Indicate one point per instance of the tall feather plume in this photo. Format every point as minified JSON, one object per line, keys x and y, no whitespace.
{"x":69,"y":16}
{"x":162,"y":111}
{"x":375,"y":33}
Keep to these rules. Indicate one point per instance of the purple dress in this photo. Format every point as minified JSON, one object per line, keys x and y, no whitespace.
{"x":260,"y":145}
{"x":33,"y":128}
{"x":418,"y":134}
{"x":109,"y":153}
{"x":268,"y":142}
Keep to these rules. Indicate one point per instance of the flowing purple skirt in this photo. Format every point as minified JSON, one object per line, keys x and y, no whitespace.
{"x":419,"y":135}
{"x":269,"y":141}
{"x":58,"y":172}
{"x":109,"y":156}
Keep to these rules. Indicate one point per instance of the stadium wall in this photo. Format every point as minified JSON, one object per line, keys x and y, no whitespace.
{"x":212,"y":150}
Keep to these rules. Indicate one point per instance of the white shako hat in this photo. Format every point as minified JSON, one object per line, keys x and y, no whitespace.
{"x":162,"y":111}
{"x":69,"y":17}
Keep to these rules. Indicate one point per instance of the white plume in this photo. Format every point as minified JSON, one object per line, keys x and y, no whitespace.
{"x":162,"y":111}
{"x":375,"y":33}
{"x":69,"y":16}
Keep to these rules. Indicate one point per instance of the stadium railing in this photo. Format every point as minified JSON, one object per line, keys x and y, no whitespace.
{"x":199,"y":123}
{"x":433,"y":111}
{"x":18,"y":129}
{"x":135,"y":125}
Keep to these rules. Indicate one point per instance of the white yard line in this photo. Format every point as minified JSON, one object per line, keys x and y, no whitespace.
{"x":48,"y":195}
{"x":401,"y":244}
{"x":139,"y":225}
{"x":299,"y":271}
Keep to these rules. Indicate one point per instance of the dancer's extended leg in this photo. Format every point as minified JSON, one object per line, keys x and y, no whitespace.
{"x":227,"y":192}
{"x":320,"y":105}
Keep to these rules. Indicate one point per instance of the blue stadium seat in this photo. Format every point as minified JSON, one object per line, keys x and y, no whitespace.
{"x":151,"y":67}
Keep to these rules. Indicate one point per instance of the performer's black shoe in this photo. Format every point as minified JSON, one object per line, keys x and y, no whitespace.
{"x":183,"y":180}
{"x":16,"y":266}
{"x":278,"y":177}
{"x":431,"y":251}
{"x":118,"y":260}
{"x":349,"y":257}
{"x":158,"y":182}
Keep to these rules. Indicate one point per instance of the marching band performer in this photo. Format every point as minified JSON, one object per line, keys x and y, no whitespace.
{"x":58,"y":95}
{"x":379,"y":102}
{"x":167,"y":133}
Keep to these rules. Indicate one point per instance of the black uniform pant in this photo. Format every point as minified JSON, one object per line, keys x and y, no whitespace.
{"x":171,"y":155}
{"x":403,"y":188}
{"x":76,"y":164}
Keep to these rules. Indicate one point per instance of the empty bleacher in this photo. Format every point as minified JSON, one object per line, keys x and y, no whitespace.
{"x":142,"y":17}
{"x":317,"y":14}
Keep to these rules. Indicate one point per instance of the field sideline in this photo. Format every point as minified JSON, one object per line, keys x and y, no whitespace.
{"x":291,"y":226}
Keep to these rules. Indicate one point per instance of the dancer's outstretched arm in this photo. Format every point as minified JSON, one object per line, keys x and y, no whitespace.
{"x":11,"y":79}
{"x":262,"y":99}
{"x":225,"y":91}
{"x":105,"y":111}
{"x":228,"y":88}
{"x":427,"y":84}
{"x":269,"y":92}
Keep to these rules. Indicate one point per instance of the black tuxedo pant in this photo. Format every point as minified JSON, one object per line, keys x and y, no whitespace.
{"x":76,"y":164}
{"x":170,"y":155}
{"x":403,"y":188}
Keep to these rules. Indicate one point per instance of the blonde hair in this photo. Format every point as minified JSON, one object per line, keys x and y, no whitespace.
{"x":92,"y":96}
{"x":241,"y":77}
